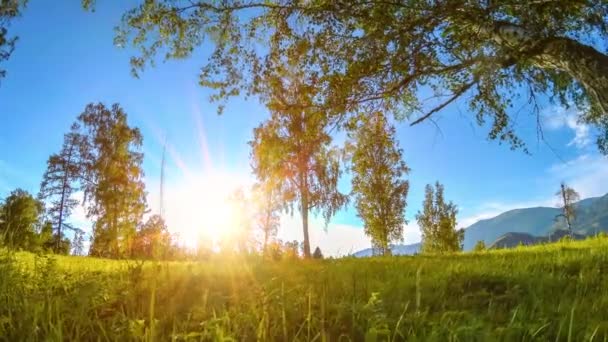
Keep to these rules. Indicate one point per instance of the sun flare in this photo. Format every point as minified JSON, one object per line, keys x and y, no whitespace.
{"x":202,"y":210}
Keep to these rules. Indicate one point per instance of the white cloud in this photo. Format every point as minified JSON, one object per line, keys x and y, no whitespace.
{"x":557,"y":117}
{"x":587,"y":174}
{"x":494,"y":208}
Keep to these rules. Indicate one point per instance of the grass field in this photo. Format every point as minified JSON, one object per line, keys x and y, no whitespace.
{"x":552,"y":292}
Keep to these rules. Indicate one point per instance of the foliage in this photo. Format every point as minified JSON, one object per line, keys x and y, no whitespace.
{"x":293,"y":150}
{"x":19,"y":220}
{"x":437,"y":222}
{"x":317,"y":254}
{"x":567,"y":197}
{"x":243,"y":228}
{"x":552,"y":292}
{"x":371,"y":55}
{"x":47,"y":241}
{"x":78,"y":242}
{"x":9,"y":10}
{"x":266,"y":216}
{"x":59,"y":183}
{"x":377,"y":181}
{"x":291,"y":250}
{"x":480,"y":246}
{"x":112,"y":177}
{"x":153,"y":240}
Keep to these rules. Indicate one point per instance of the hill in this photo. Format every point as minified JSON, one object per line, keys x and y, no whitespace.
{"x":395,"y":250}
{"x":539,"y":221}
{"x":511,"y":240}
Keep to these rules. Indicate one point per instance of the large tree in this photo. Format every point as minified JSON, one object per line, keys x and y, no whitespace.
{"x":59,"y":182}
{"x":371,"y":55}
{"x":437,"y":221}
{"x":377,"y":183}
{"x":20,"y":219}
{"x":112,"y":178}
{"x":293,"y":149}
{"x":9,"y":10}
{"x":567,"y":198}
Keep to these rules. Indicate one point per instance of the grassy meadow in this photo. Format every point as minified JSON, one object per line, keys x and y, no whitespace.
{"x":556,"y":292}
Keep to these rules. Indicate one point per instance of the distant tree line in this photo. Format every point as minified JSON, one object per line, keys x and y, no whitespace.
{"x":297,"y":169}
{"x":293,"y":159}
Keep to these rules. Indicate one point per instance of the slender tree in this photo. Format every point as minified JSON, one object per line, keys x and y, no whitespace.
{"x":112,"y":178}
{"x":20,"y":219}
{"x":9,"y":10}
{"x":78,"y":242}
{"x":567,"y":197}
{"x":59,"y":183}
{"x":377,"y":183}
{"x":370,"y":55}
{"x":293,"y":149}
{"x":438,"y":223}
{"x":242,"y":225}
{"x":267,"y":217}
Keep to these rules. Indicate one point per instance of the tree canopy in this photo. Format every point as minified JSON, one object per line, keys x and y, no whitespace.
{"x":9,"y":10}
{"x":112,"y":177}
{"x":364,"y":56}
{"x":378,"y":182}
{"x":437,"y":221}
{"x":293,"y":148}
{"x":19,"y":219}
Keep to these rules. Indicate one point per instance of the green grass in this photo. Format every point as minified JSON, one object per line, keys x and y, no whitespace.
{"x":555,"y":292}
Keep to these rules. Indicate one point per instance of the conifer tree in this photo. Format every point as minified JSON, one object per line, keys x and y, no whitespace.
{"x":59,"y":182}
{"x":317,"y":253}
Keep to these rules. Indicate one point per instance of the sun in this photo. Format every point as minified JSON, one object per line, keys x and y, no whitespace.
{"x":202,"y":209}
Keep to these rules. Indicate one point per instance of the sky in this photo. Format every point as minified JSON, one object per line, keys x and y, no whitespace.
{"x":65,"y":58}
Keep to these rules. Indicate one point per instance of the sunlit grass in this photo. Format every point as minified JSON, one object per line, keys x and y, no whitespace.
{"x":551,"y":292}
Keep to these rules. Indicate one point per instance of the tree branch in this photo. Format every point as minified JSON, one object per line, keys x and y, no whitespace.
{"x":456,"y":95}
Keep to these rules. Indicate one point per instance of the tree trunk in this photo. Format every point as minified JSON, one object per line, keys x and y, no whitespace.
{"x":584,"y":63}
{"x":304,"y":210}
{"x":61,"y":204}
{"x":566,"y":210}
{"x":64,"y":186}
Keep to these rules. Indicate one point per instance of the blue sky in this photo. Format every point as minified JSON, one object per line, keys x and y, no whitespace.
{"x":65,"y":58}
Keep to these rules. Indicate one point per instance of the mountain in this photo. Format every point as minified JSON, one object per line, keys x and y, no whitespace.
{"x":526,"y":226}
{"x":592,"y":217}
{"x":534,"y":221}
{"x":395,"y":249}
{"x":511,"y":240}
